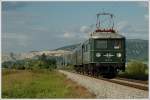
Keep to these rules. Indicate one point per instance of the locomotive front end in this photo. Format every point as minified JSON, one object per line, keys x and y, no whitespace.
{"x":104,"y":52}
{"x":108,"y":52}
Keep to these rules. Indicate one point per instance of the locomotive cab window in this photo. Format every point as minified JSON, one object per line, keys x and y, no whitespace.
{"x":117,"y":44}
{"x":101,"y":44}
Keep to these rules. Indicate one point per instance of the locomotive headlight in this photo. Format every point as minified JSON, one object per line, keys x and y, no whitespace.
{"x":98,"y":54}
{"x":119,"y":55}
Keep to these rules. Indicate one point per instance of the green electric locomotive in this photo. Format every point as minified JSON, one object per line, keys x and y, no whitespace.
{"x":102,"y":54}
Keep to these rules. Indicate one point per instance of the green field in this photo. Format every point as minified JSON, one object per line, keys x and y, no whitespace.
{"x":40,"y":84}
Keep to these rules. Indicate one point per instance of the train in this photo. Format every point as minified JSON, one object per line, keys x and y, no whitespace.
{"x":103,"y":53}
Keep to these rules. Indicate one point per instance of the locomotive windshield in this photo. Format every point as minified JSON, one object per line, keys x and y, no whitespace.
{"x":101,"y":44}
{"x":117,"y":44}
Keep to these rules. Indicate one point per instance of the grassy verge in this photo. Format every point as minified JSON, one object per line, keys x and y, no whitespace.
{"x":40,"y":84}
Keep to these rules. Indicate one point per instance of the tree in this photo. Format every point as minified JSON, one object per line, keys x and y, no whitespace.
{"x":12,"y":56}
{"x":43,"y":57}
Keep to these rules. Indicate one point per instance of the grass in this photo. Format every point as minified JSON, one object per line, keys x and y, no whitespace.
{"x":40,"y":84}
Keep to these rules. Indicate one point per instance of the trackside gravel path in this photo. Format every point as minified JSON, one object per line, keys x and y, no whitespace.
{"x":104,"y":89}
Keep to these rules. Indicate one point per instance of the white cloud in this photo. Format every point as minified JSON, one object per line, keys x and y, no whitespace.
{"x":83,"y":33}
{"x":125,"y":26}
{"x":86,"y":36}
{"x":121,"y":25}
{"x":132,"y":31}
{"x":85,"y":29}
{"x":68,"y":35}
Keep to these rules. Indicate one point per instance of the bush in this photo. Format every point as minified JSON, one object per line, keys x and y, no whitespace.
{"x":136,"y":70}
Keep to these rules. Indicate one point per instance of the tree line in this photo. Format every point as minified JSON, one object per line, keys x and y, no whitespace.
{"x":41,"y":62}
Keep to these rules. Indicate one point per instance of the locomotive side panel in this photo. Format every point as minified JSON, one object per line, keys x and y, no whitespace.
{"x":86,"y":52}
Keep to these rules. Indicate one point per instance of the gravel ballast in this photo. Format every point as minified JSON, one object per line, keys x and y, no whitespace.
{"x":104,"y":89}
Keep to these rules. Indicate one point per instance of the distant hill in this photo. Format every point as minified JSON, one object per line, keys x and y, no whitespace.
{"x":68,"y":48}
{"x":135,"y":49}
{"x":32,"y":55}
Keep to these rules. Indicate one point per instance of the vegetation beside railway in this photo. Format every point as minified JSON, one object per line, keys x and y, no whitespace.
{"x":40,"y":84}
{"x":37,"y":78}
{"x":135,"y":70}
{"x":41,"y":62}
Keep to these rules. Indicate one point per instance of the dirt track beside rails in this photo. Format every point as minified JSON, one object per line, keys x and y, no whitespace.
{"x":104,"y":89}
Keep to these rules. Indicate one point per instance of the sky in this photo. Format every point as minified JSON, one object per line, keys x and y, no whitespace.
{"x":37,"y":26}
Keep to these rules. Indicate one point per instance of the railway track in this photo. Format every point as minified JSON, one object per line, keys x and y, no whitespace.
{"x":103,"y":88}
{"x":132,"y":80}
{"x":129,"y":83}
{"x":122,"y":81}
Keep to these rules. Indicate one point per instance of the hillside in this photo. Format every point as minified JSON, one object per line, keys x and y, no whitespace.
{"x":32,"y":55}
{"x":69,"y":47}
{"x":136,"y":49}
